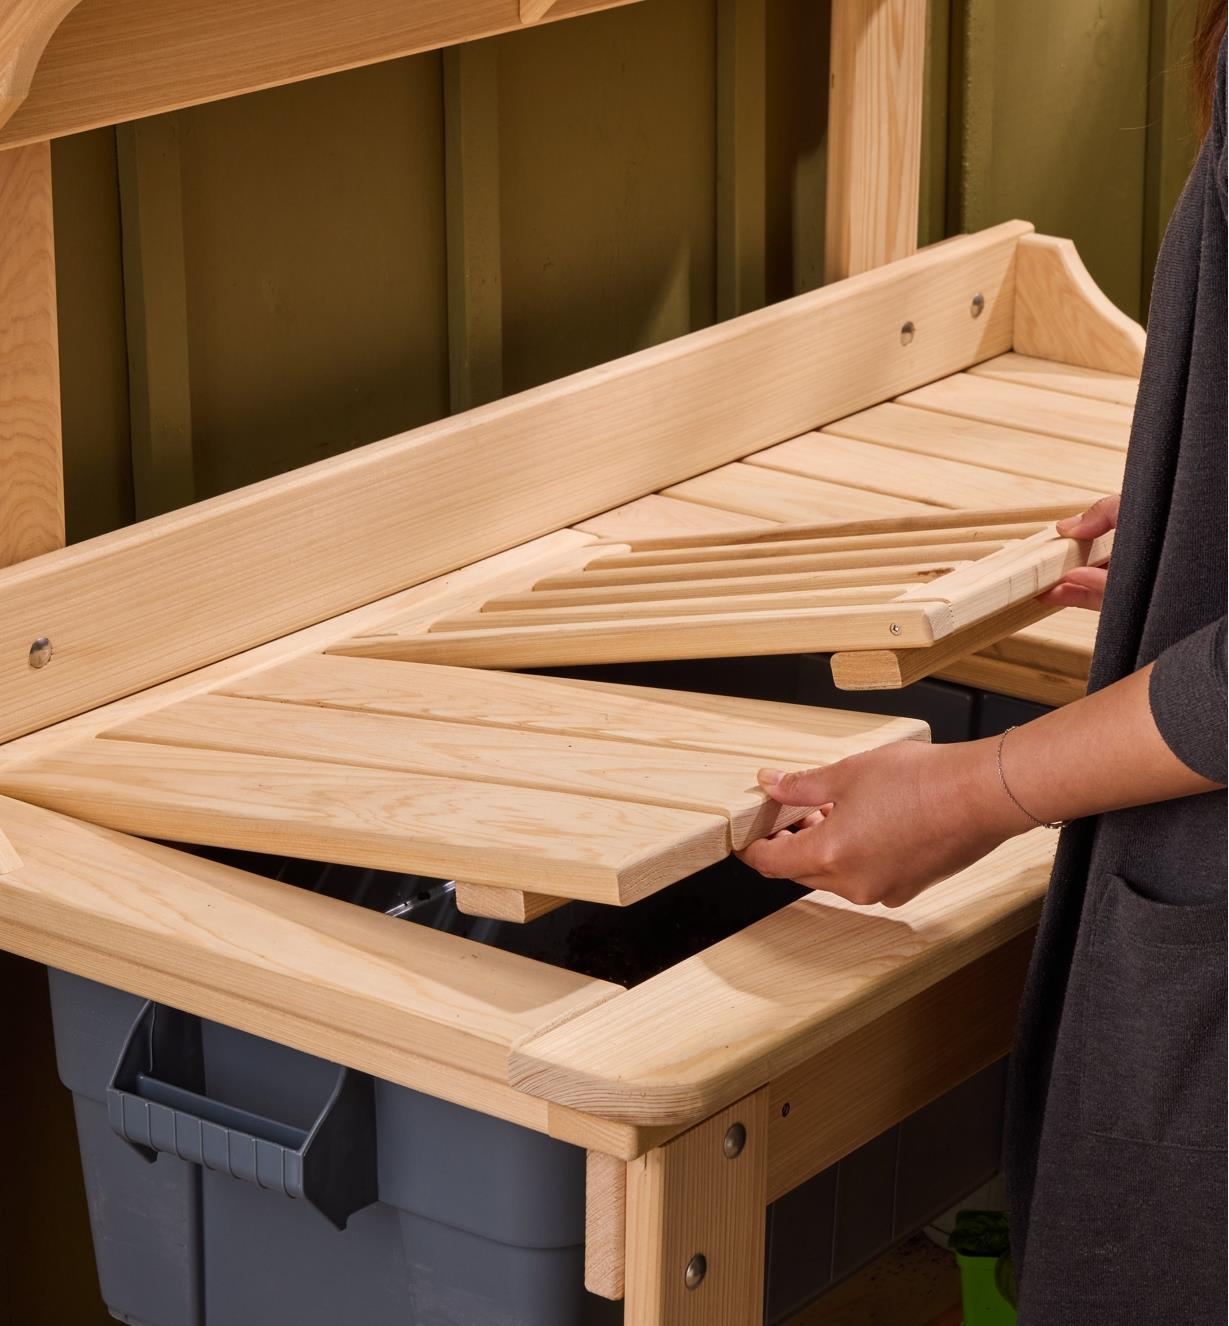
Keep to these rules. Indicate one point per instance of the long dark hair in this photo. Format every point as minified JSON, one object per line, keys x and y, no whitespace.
{"x":1209,"y":33}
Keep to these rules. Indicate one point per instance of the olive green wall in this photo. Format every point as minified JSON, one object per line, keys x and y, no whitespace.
{"x":258,"y":283}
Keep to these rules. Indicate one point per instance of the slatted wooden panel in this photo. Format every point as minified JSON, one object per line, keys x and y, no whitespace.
{"x":534,"y":784}
{"x":900,"y":583}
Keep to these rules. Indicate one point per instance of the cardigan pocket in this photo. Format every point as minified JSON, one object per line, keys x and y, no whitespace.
{"x":1154,"y":1060}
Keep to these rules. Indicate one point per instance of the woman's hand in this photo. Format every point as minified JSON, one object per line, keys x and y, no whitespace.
{"x":891,"y":822}
{"x":1085,"y":586}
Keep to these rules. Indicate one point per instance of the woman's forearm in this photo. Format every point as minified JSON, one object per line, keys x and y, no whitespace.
{"x":1101,"y":753}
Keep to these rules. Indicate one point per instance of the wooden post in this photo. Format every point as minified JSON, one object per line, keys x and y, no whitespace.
{"x":695,"y":1223}
{"x":31,"y":466}
{"x":874,"y":133}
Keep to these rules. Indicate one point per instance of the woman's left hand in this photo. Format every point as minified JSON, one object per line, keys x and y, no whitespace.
{"x":890,"y":822}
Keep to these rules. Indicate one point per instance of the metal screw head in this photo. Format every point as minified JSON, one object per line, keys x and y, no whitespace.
{"x":977,"y":305}
{"x":785,"y":1109}
{"x":40,"y":652}
{"x":906,"y":333}
{"x":895,"y":628}
{"x":696,"y":1270}
{"x":735,"y":1140}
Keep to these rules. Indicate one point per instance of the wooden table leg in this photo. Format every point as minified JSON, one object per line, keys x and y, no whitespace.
{"x":695,"y":1223}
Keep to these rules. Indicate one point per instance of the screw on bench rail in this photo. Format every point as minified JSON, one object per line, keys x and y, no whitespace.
{"x":697,"y":1269}
{"x":40,"y":652}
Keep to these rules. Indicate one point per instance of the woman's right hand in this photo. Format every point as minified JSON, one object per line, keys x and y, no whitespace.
{"x":1085,"y":586}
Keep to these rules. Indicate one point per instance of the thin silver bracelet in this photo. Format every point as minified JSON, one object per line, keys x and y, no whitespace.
{"x":1041,"y":824}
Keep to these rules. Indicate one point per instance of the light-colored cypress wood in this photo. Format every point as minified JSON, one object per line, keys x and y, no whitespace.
{"x":600,"y":850}
{"x":1070,"y":379}
{"x":690,"y":1199}
{"x":505,"y":904}
{"x":869,"y":1081}
{"x":657,"y":514}
{"x":1100,"y":423}
{"x":878,"y":53}
{"x":264,"y":956}
{"x":990,"y":447}
{"x":117,"y":60}
{"x":912,"y":475}
{"x":134,"y":607}
{"x":1062,"y":314}
{"x":762,"y":1002}
{"x":31,"y":465}
{"x":605,"y":1224}
{"x":493,"y":758}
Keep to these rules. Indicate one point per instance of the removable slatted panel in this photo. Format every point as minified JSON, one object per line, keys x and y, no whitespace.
{"x":546,"y":786}
{"x":898,"y":583}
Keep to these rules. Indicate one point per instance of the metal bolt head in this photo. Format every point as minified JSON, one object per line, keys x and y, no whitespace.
{"x":906,"y":333}
{"x":735,"y":1140}
{"x":895,"y":628}
{"x":697,"y":1269}
{"x":977,"y":305}
{"x":40,"y":652}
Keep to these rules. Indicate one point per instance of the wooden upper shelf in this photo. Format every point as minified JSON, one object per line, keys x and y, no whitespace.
{"x":69,"y":65}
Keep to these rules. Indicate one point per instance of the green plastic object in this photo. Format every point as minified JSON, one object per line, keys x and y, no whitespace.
{"x":983,"y":1304}
{"x":987,"y":1277}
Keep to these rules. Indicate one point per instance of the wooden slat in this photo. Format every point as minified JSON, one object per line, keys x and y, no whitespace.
{"x":681,"y":590}
{"x":754,"y":571}
{"x":864,"y":1084}
{"x":574,"y":846}
{"x":898,"y":473}
{"x":270,"y":958}
{"x":478,"y":482}
{"x":876,"y":78}
{"x":115,"y":60}
{"x":1071,"y":379}
{"x":31,"y":467}
{"x":801,"y":540}
{"x":759,"y":492}
{"x":605,"y":1224}
{"x":1098,"y":422}
{"x":635,"y":639}
{"x":528,"y":614}
{"x":1012,"y":451}
{"x":769,"y":998}
{"x":754,"y":728}
{"x":923,"y":521}
{"x":687,"y":1198}
{"x":514,"y":905}
{"x":710,"y":782}
{"x":656,"y":514}
{"x":1061,"y":314}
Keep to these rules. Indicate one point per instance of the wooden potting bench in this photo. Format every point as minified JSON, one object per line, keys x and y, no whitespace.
{"x":245,"y":671}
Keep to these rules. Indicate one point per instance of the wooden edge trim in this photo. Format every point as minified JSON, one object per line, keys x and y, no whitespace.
{"x":533,"y":10}
{"x":610,"y":1063}
{"x":26,"y":26}
{"x":1061,"y":314}
{"x":605,"y":1224}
